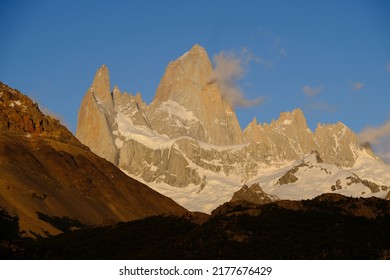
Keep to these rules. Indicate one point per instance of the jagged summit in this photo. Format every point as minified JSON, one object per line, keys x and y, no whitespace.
{"x":295,"y":117}
{"x":101,"y":85}
{"x":189,"y":133}
{"x":185,"y":76}
{"x":200,"y":110}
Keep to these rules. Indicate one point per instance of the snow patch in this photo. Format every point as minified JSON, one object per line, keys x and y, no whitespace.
{"x":173,"y":108}
{"x":141,"y":134}
{"x":118,"y":143}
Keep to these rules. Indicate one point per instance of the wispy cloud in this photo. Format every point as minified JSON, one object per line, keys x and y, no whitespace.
{"x":311,"y":91}
{"x":228,"y":71}
{"x":247,"y":56}
{"x":373,"y":134}
{"x":274,"y":50}
{"x":278,"y":47}
{"x":357,"y":85}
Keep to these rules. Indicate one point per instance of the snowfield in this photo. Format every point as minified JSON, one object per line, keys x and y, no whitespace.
{"x":313,"y":179}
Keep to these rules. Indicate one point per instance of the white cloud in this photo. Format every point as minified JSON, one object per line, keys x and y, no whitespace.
{"x":311,"y":91}
{"x":228,"y":71}
{"x":373,"y":135}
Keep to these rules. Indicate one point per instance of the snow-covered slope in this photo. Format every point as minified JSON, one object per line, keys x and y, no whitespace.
{"x":313,"y":178}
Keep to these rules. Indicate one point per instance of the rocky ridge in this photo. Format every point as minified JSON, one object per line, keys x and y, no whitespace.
{"x":253,"y":194}
{"x":21,"y":116}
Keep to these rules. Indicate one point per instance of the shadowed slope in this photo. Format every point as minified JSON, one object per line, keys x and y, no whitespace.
{"x":45,"y":169}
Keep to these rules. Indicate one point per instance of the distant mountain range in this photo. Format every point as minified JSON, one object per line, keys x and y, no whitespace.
{"x":179,"y":179}
{"x":188,"y":144}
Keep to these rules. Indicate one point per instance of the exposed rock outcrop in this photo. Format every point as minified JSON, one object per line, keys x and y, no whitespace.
{"x":253,"y":194}
{"x":96,"y":117}
{"x":21,"y":116}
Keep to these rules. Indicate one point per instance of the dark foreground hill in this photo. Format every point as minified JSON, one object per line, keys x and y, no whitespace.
{"x":51,"y":183}
{"x":327,"y":227}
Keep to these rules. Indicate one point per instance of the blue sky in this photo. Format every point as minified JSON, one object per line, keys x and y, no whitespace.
{"x":330,"y":58}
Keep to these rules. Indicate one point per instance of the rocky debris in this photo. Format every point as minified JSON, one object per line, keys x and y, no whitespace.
{"x":253,"y":194}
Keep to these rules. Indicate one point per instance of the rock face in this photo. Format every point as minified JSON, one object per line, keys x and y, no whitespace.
{"x":287,"y":138}
{"x":96,"y":116}
{"x":47,"y":172}
{"x":189,"y":134}
{"x":290,"y":138}
{"x":253,"y":194}
{"x":189,"y":103}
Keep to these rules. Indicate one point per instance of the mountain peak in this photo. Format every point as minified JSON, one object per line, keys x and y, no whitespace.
{"x":101,"y":85}
{"x":295,"y":117}
{"x":197,"y":50}
{"x":186,"y":87}
{"x":185,"y":76}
